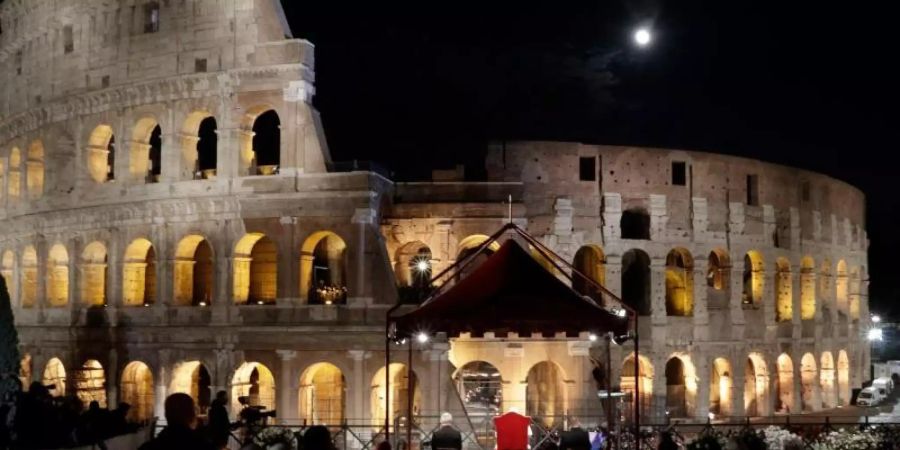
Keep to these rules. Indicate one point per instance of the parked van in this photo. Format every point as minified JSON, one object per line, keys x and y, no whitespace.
{"x":870,"y":396}
{"x":884,"y":383}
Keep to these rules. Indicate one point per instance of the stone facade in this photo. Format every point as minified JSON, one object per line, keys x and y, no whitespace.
{"x":143,"y":263}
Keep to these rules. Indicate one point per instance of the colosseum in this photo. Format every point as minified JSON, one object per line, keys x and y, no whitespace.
{"x":172,"y":221}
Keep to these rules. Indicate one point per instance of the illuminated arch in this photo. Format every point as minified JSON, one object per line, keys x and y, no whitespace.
{"x":468,"y":247}
{"x":54,"y":377}
{"x":785,"y":385}
{"x":718,"y":270}
{"x":843,"y":378}
{"x":855,"y":293}
{"x":681,"y":386}
{"x":322,"y":395}
{"x":591,"y":262}
{"x":255,"y":270}
{"x":139,"y":273}
{"x":413,"y":264}
{"x":809,"y":379}
{"x":807,"y":289}
{"x":826,"y":283}
{"x":720,"y":387}
{"x":29,"y":277}
{"x":323,"y":268}
{"x":399,"y":394}
{"x":146,"y":150}
{"x":828,"y":381}
{"x":8,"y":270}
{"x":756,"y":386}
{"x":101,"y":154}
{"x":254,"y":381}
{"x":645,"y":376}
{"x":192,"y":378}
{"x":545,"y":393}
{"x":194,"y":271}
{"x":34,"y":166}
{"x":842,"y":287}
{"x":93,"y":269}
{"x":137,"y":389}
{"x":14,"y":191}
{"x":753,"y":279}
{"x":784,"y":295}
{"x":679,"y":283}
{"x":480,"y":384}
{"x":58,"y":276}
{"x":260,"y":140}
{"x":90,"y":383}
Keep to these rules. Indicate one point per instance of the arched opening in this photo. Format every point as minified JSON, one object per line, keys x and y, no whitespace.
{"x":8,"y":270}
{"x":469,"y":246}
{"x":807,"y":289}
{"x":785,"y":386}
{"x":255,"y":270}
{"x":34,"y":165}
{"x":137,"y":390}
{"x":635,"y":224}
{"x":784,"y":295}
{"x":645,"y":377}
{"x":192,"y":378}
{"x":146,"y":150}
{"x":101,"y":154}
{"x":718,"y":285}
{"x":399,"y":394}
{"x":679,"y":283}
{"x":90,"y":383}
{"x":139,"y":274}
{"x":841,"y":287}
{"x":29,"y":277}
{"x":322,"y":395}
{"x":681,"y":386}
{"x":591,"y":262}
{"x":828,"y":381}
{"x":54,"y":377}
{"x":194,"y":271}
{"x":636,"y":281}
{"x":808,"y":380}
{"x":25,"y":371}
{"x":754,"y":279}
{"x":15,"y":175}
{"x":267,"y":143}
{"x":843,"y":378}
{"x":58,"y":276}
{"x":855,"y":292}
{"x":826,"y":284}
{"x":720,"y":387}
{"x":545,"y":393}
{"x":199,"y":144}
{"x":254,"y":381}
{"x":93,"y":279}
{"x":756,"y":382}
{"x":412,"y":265}
{"x":480,"y":387}
{"x":323,"y":268}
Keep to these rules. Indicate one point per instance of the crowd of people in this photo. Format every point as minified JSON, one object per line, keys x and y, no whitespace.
{"x":37,"y":419}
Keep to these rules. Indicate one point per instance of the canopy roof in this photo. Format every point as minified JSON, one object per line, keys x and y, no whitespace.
{"x":510,"y":292}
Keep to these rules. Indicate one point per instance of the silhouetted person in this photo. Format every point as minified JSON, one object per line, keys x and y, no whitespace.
{"x":576,"y":438}
{"x":317,"y":437}
{"x":666,"y":441}
{"x":179,"y":434}
{"x":118,"y":423}
{"x":383,"y":445}
{"x":446,"y":437}
{"x":219,"y":423}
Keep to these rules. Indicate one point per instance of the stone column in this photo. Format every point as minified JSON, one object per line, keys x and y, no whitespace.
{"x":112,"y":379}
{"x":738,"y":382}
{"x":439,"y":360}
{"x":170,"y":156}
{"x":796,"y":301}
{"x":614,"y":274}
{"x":768,"y":301}
{"x":735,"y":303}
{"x":287,"y":280}
{"x":287,"y":392}
{"x":701,"y":311}
{"x":41,"y":301}
{"x":364,"y":218}
{"x":612,"y":216}
{"x":357,"y":390}
{"x":223,"y":300}
{"x":164,"y":375}
{"x":658,"y":317}
{"x":701,"y":364}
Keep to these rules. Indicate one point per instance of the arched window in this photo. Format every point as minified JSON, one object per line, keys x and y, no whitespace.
{"x":93,"y":269}
{"x":102,"y":154}
{"x":139,"y":274}
{"x":58,"y":276}
{"x":808,"y":382}
{"x":720,"y":386}
{"x":627,"y":382}
{"x":756,"y":386}
{"x":480,"y":386}
{"x":323,"y":267}
{"x":15,"y":175}
{"x":827,"y":380}
{"x":399,"y":394}
{"x":807,"y":289}
{"x":146,"y":150}
{"x":754,"y":279}
{"x":855,"y":293}
{"x":199,"y":144}
{"x":843,"y":378}
{"x":255,"y":382}
{"x":192,"y":378}
{"x":785,"y":385}
{"x":468,"y":247}
{"x":679,"y":283}
{"x":8,"y":270}
{"x":2,"y":181}
{"x":591,"y":262}
{"x":194,"y":271}
{"x":267,"y":142}
{"x":137,"y":390}
{"x":784,"y":296}
{"x":635,"y":224}
{"x":636,"y":281}
{"x":25,"y":371}
{"x":29,"y":277}
{"x":545,"y":393}
{"x":842,"y":287}
{"x":35,"y":170}
{"x":321,"y":395}
{"x":255,"y":270}
{"x":412,"y":265}
{"x":826,"y":284}
{"x":90,"y":383}
{"x":54,"y":377}
{"x":676,"y":388}
{"x":718,"y":279}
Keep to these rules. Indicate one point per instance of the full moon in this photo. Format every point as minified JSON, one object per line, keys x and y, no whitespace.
{"x":642,"y":37}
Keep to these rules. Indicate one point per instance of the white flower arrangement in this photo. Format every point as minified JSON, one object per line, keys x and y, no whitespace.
{"x":780,"y":439}
{"x":271,"y":436}
{"x":847,"y":440}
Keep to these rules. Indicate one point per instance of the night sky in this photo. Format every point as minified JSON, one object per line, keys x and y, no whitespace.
{"x":423,"y":85}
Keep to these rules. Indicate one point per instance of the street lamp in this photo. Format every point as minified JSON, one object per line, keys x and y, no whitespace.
{"x":876,"y":318}
{"x":875,"y":334}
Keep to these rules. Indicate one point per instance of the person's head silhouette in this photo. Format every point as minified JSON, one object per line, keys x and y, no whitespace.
{"x":180,"y":410}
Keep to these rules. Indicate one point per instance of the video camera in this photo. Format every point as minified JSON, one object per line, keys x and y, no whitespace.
{"x":253,"y":414}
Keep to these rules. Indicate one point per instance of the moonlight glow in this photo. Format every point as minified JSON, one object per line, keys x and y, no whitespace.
{"x":642,"y":37}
